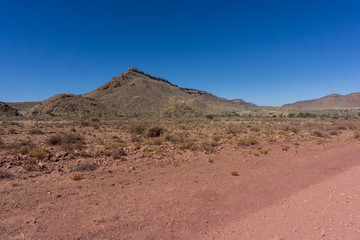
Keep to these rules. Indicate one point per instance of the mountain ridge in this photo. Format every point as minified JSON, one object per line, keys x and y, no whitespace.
{"x":331,"y":101}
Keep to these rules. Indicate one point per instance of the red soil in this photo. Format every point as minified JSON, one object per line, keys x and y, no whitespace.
{"x":309,"y":192}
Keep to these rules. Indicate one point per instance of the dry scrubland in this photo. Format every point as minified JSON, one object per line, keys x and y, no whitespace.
{"x":163,"y":178}
{"x":31,"y":148}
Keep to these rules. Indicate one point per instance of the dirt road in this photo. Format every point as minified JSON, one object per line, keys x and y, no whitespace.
{"x":307,"y":192}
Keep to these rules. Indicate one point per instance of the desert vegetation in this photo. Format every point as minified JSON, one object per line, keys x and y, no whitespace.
{"x":47,"y":146}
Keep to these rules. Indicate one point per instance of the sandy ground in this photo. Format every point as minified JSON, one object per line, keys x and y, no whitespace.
{"x":309,"y":192}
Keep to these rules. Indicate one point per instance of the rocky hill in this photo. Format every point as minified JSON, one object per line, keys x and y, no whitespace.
{"x":137,"y":93}
{"x":333,"y":101}
{"x":133,"y":93}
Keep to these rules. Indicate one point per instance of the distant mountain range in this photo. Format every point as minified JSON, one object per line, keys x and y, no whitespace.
{"x":333,"y":101}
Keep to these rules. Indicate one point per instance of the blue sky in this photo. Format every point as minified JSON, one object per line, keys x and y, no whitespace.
{"x":266,"y":52}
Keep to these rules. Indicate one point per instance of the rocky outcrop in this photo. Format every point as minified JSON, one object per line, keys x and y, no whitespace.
{"x":138,"y":71}
{"x":6,"y":110}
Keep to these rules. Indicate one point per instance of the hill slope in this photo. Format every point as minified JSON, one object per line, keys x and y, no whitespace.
{"x":71,"y":105}
{"x":135,"y":92}
{"x":333,"y":101}
{"x":23,"y":107}
{"x":8,"y":111}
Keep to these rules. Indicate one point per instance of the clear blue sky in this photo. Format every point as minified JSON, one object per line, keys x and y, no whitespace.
{"x":266,"y":52}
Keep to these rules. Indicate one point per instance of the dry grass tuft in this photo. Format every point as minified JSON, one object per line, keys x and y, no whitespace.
{"x":38,"y":152}
{"x":76,"y":176}
{"x":247,"y":141}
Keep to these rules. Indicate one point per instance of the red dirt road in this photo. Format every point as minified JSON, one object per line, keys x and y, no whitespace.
{"x":328,"y":210}
{"x":310,"y":192}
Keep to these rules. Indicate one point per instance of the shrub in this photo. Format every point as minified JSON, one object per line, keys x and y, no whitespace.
{"x":265,"y":152}
{"x":216,"y":138}
{"x":154,"y":132}
{"x":291,"y":115}
{"x":234,"y":173}
{"x":106,"y":153}
{"x":138,"y":128}
{"x":306,"y":115}
{"x":209,"y":146}
{"x":285,"y":147}
{"x":67,"y":139}
{"x":333,"y":133}
{"x":54,"y":140}
{"x":12,"y":131}
{"x":317,"y":134}
{"x":356,"y":134}
{"x":71,"y":138}
{"x":118,"y":153}
{"x":85,"y":123}
{"x":254,"y":129}
{"x":189,"y":144}
{"x":38,"y":152}
{"x":320,"y":142}
{"x":247,"y":141}
{"x":2,"y":142}
{"x":174,"y":138}
{"x":5,"y":175}
{"x":24,"y":150}
{"x":234,"y":128}
{"x":114,"y":145}
{"x":83,"y":166}
{"x":342,"y":127}
{"x":291,"y":129}
{"x":36,"y":131}
{"x":76,"y":176}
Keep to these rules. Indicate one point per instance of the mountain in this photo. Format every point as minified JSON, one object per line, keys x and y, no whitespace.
{"x":8,"y":111}
{"x":137,"y":93}
{"x":333,"y":101}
